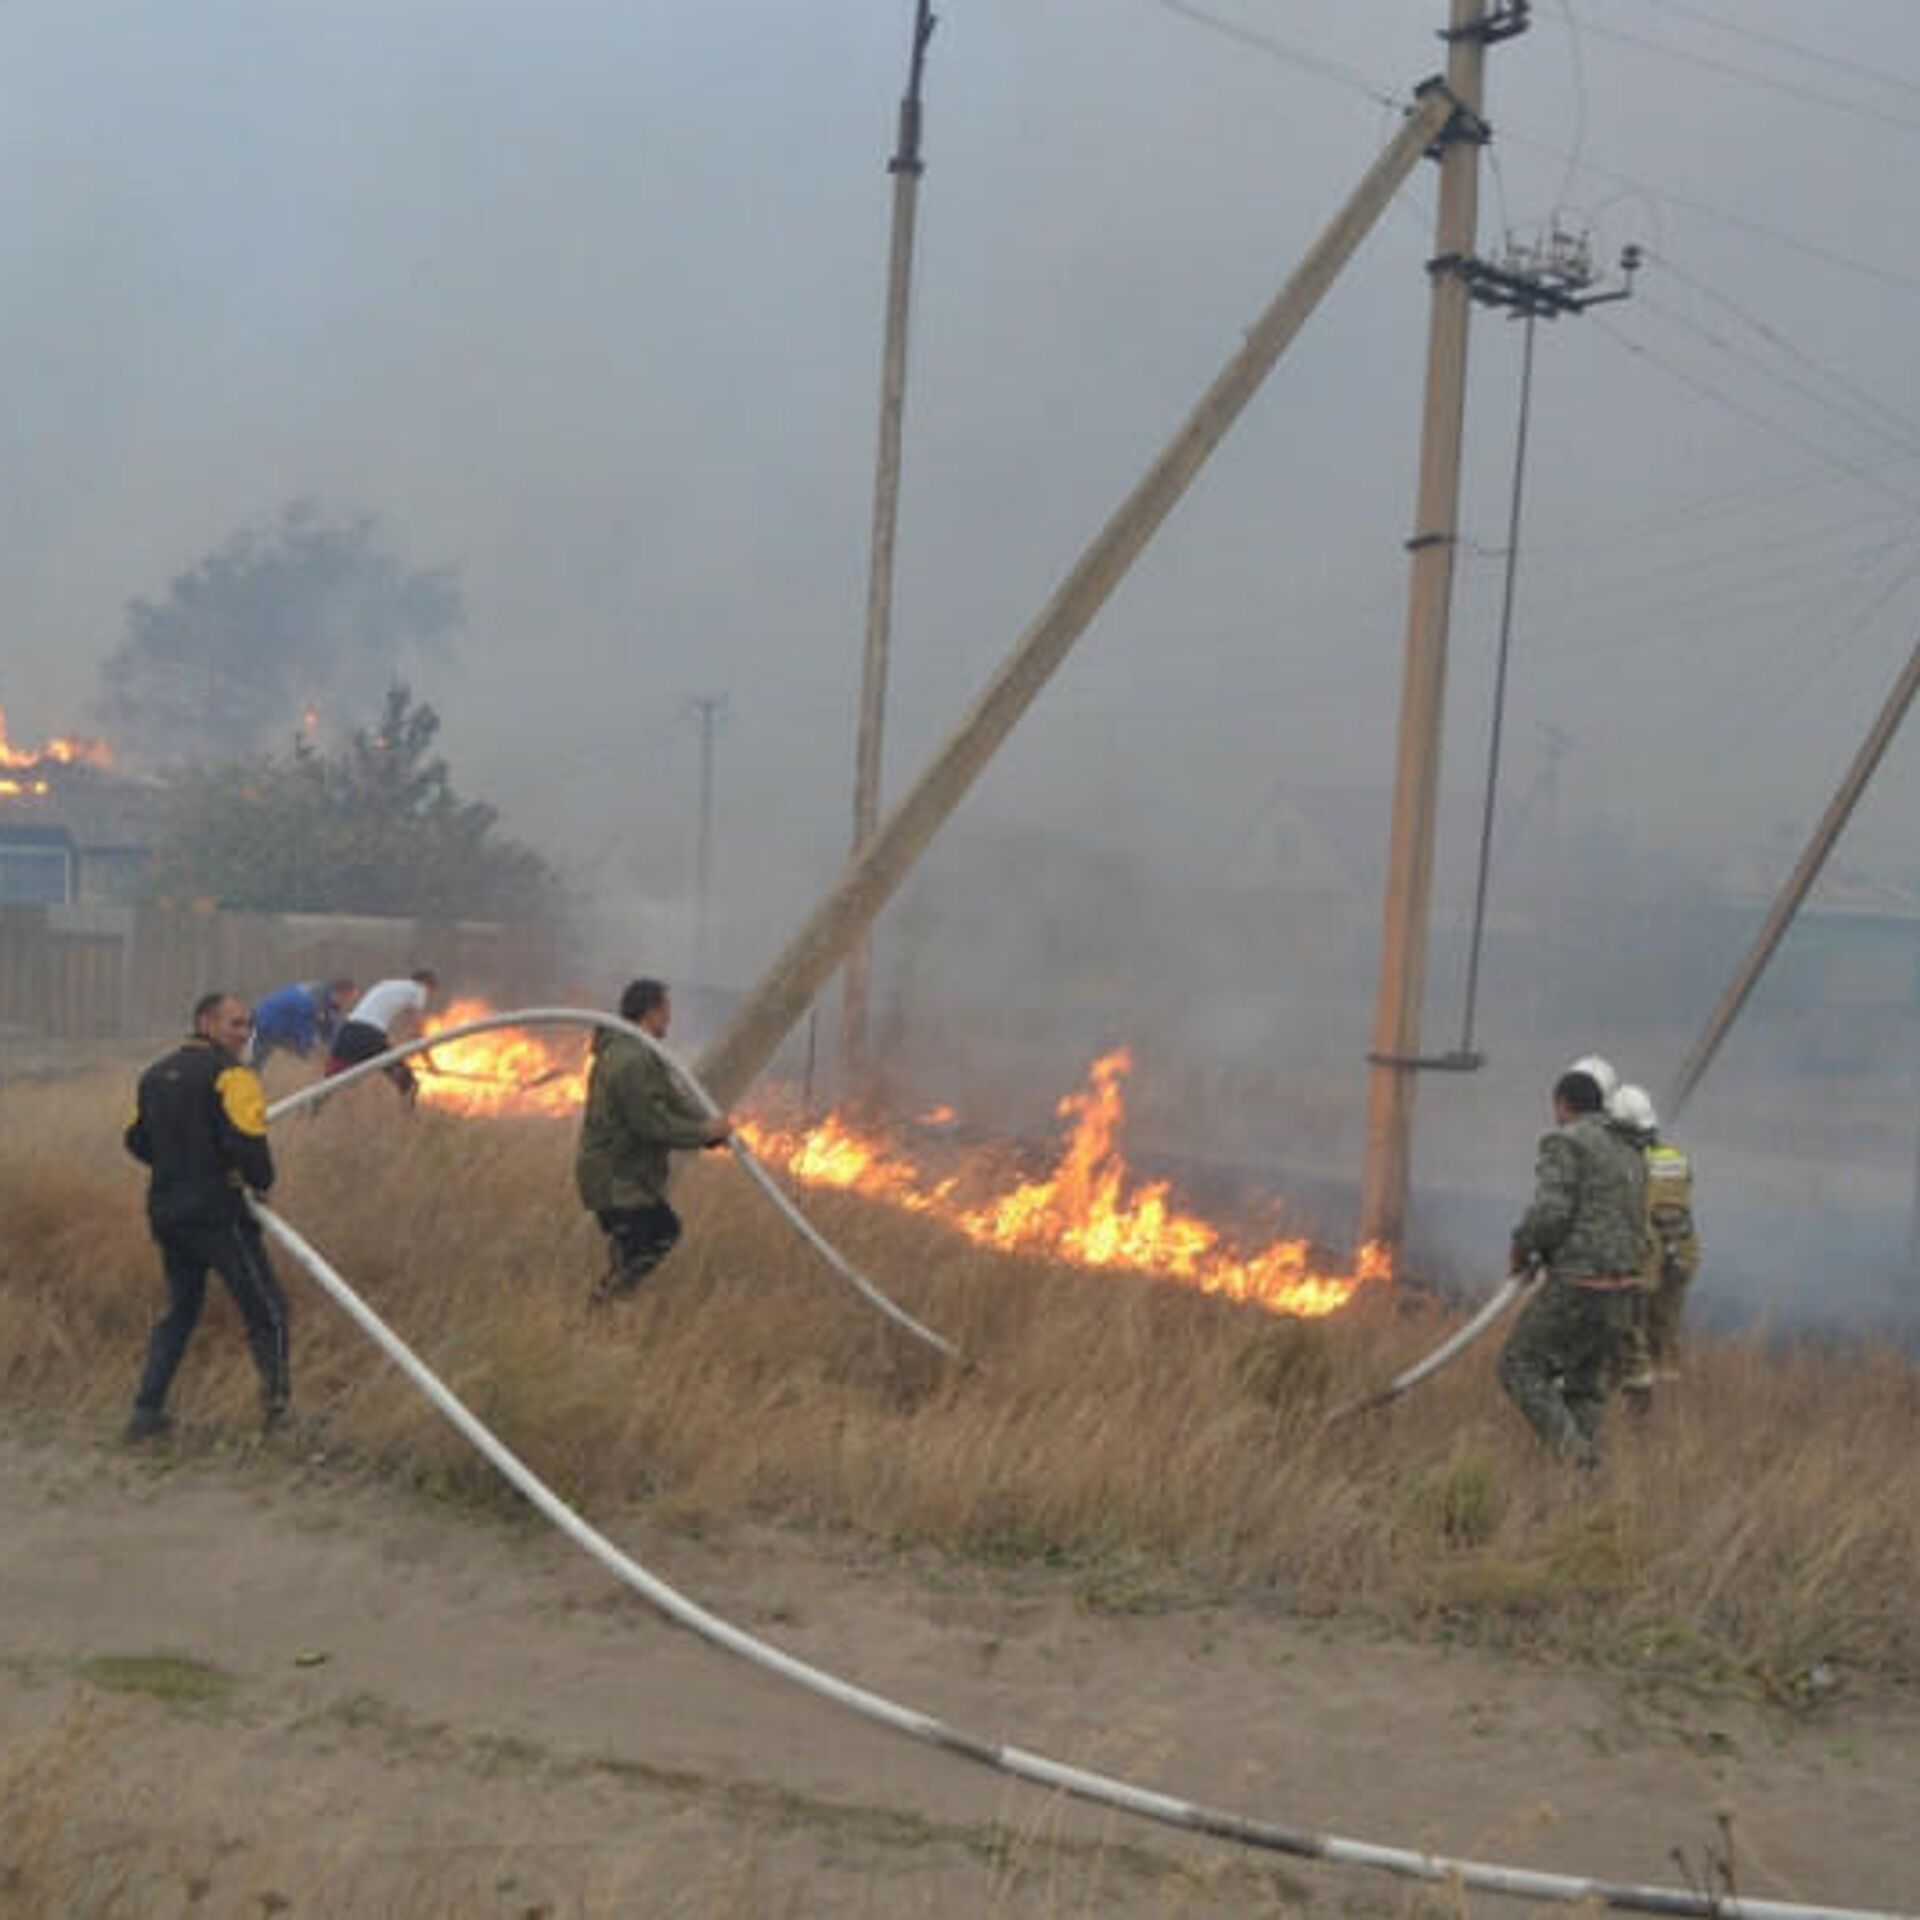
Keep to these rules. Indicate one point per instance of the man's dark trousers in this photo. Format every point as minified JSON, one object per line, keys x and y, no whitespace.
{"x":638,"y":1239}
{"x":239,"y":1256}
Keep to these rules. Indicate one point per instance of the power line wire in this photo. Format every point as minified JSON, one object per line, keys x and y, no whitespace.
{"x":1719,"y":503}
{"x":1899,"y":434}
{"x":1331,"y":624}
{"x":1705,"y":739}
{"x":1813,"y":249}
{"x":1499,"y":188}
{"x":1371,"y":90}
{"x":1750,"y":77}
{"x":1708,"y":391}
{"x":1621,"y":580}
{"x":1580,"y":116}
{"x":1775,"y":338}
{"x":1294,"y":56}
{"x":1714,"y":601}
{"x":1798,"y":48}
{"x":1748,"y":715}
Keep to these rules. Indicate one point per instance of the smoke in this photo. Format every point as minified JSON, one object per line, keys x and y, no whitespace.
{"x":585,"y":304}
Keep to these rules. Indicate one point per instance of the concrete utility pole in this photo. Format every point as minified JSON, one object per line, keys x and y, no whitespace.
{"x":710,"y":709}
{"x":789,"y":985}
{"x":1799,"y":883}
{"x":906,"y":167}
{"x":1395,"y":1057}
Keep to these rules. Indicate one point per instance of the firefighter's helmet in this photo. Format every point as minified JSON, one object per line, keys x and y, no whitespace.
{"x":1600,"y":1072}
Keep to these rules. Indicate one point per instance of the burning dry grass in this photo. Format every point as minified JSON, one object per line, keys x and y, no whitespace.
{"x":1088,"y":1209}
{"x":1158,"y":1445}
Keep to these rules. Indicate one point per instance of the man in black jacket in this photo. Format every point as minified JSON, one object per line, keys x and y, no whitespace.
{"x":201,"y":1125}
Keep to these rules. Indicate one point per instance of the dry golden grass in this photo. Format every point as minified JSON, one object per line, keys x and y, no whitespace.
{"x":1161,"y":1446}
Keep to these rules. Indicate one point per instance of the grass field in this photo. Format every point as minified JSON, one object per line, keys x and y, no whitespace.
{"x":1761,"y":1528}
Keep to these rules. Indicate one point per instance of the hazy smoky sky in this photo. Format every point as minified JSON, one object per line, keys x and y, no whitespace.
{"x":585,"y":301}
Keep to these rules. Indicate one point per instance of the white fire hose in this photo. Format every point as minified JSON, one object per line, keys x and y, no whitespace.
{"x":1521,"y":1882}
{"x":1455,"y":1344}
{"x":749,"y":1161}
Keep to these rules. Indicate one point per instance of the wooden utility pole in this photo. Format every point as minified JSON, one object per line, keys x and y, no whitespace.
{"x":1799,"y":883}
{"x":809,"y":960}
{"x":906,"y":167}
{"x":1395,"y":1058}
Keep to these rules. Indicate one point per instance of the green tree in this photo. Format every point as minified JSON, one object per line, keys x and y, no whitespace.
{"x":374,"y":828}
{"x":302,"y":614}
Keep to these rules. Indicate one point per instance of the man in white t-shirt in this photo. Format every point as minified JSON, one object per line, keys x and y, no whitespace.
{"x":389,"y":1012}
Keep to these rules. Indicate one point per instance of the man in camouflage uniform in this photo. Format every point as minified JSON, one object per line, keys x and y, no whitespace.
{"x":1673,"y":1248}
{"x":637,"y":1113}
{"x":1586,"y":1227}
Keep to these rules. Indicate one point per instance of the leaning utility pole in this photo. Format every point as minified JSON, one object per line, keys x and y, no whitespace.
{"x":1799,"y":883}
{"x":810,"y":958}
{"x":906,"y":168}
{"x":1395,"y":1058}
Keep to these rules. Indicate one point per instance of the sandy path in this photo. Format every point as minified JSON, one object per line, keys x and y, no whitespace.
{"x":496,"y":1727}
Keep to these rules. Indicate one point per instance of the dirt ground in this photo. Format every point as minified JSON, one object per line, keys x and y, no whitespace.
{"x":241,"y":1682}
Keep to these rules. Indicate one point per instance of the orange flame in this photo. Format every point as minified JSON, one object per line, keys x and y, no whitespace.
{"x":507,"y":1072}
{"x":60,"y":752}
{"x":1090,"y":1211}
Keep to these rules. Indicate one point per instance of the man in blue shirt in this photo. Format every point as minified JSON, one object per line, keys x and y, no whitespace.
{"x":298,"y":1018}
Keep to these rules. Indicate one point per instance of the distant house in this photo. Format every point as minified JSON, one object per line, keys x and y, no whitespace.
{"x":77,"y":835}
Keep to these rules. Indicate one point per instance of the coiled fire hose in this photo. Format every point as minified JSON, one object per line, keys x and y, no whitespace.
{"x":748,"y":1160}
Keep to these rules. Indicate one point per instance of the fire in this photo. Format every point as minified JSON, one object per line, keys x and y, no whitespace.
{"x":1089,"y":1211}
{"x":508,"y":1071}
{"x":30,"y":765}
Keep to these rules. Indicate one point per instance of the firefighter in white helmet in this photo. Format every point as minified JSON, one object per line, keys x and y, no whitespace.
{"x":1600,"y":1071}
{"x":1673,"y":1249}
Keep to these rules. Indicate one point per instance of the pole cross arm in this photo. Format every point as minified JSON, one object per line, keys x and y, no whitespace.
{"x":1455,"y":1060}
{"x":1500,"y":22}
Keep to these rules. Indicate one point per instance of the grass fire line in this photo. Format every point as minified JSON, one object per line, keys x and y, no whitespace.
{"x":1089,"y":1211}
{"x":1079,"y":1213}
{"x":743,"y":1154}
{"x":1020,"y":1763}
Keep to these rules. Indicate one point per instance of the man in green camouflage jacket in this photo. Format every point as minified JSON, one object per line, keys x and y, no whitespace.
{"x":637,"y":1114}
{"x":1587,"y":1228}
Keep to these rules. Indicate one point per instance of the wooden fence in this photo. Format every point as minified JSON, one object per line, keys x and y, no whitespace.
{"x":66,"y":984}
{"x":136,"y":972}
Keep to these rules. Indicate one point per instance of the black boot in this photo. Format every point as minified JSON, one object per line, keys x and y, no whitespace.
{"x":147,"y":1423}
